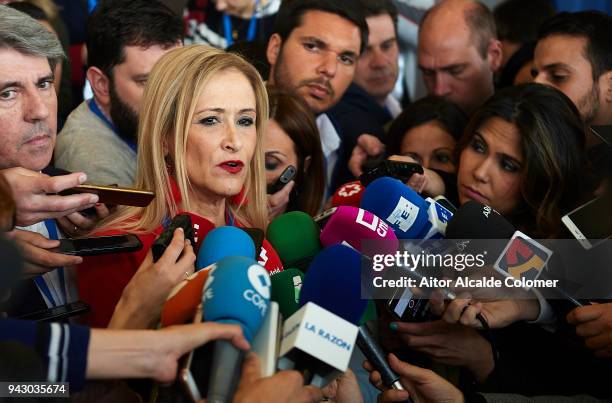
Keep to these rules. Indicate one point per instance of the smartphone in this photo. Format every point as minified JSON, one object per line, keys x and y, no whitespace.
{"x":58,"y":313}
{"x":99,"y":245}
{"x":409,"y":308}
{"x":186,"y":378}
{"x":115,"y":195}
{"x":322,"y":218}
{"x":283,"y":179}
{"x":591,"y":223}
{"x":195,"y":367}
{"x":395,"y":169}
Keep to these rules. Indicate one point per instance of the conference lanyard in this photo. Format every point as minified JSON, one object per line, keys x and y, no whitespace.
{"x":227,"y":26}
{"x":93,"y":106}
{"x":40,"y":281}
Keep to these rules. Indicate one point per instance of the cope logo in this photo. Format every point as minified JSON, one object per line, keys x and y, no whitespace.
{"x":523,"y":258}
{"x":260,"y":294}
{"x":404,"y":215}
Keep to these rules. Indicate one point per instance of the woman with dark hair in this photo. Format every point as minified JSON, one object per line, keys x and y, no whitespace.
{"x":523,"y":153}
{"x":292,"y":138}
{"x":427,"y":131}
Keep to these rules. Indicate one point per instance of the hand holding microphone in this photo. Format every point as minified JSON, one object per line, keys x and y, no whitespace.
{"x":282,"y":387}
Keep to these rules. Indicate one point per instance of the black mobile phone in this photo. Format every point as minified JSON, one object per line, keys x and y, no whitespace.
{"x":99,"y":245}
{"x":395,"y":169}
{"x":58,"y":313}
{"x":161,"y":243}
{"x":283,"y":179}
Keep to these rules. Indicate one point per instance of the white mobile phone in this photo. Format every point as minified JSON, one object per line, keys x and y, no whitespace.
{"x":591,"y":223}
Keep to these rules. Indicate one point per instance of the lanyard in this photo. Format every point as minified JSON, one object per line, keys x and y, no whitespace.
{"x":40,"y":281}
{"x":227,"y":26}
{"x":95,"y":109}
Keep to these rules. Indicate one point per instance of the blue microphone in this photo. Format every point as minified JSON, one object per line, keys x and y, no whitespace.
{"x":333,"y":282}
{"x":222,"y":242}
{"x":401,"y":207}
{"x":237,"y":291}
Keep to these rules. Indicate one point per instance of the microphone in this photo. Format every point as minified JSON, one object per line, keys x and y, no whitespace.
{"x":373,"y":352}
{"x":295,"y":236}
{"x":353,"y":225}
{"x":237,"y":291}
{"x":521,"y":257}
{"x":224,"y":241}
{"x":319,"y":338}
{"x":182,"y":302}
{"x":286,"y":288}
{"x":401,"y":207}
{"x":268,"y":258}
{"x":348,"y":194}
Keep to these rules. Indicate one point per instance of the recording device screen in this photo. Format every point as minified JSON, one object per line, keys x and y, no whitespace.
{"x":409,"y":308}
{"x":99,"y":245}
{"x":591,"y":222}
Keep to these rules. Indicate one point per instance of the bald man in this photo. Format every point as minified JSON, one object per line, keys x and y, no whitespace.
{"x":458,"y":52}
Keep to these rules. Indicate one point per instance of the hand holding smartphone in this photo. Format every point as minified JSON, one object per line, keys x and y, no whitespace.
{"x":99,"y":245}
{"x":115,"y":195}
{"x":284,"y":178}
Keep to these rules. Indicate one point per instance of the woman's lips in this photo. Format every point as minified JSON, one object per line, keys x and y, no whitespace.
{"x":474,"y":195}
{"x":232,"y":167}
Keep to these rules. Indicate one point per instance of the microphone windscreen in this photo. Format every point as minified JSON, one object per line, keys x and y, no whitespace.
{"x":295,"y":236}
{"x":224,"y":241}
{"x":286,"y":287}
{"x":237,"y":291}
{"x":348,"y":194}
{"x":182,"y":303}
{"x":354,"y":225}
{"x":401,"y":207}
{"x":477,"y":221}
{"x":333,"y":282}
{"x":269,"y":259}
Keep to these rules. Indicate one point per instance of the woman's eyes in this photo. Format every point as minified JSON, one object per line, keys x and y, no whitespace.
{"x":209,"y":121}
{"x":213,"y":120}
{"x":509,"y":165}
{"x":246,"y":121}
{"x":443,"y":158}
{"x":478,"y":146}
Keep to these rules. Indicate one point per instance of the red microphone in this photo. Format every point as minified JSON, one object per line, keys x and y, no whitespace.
{"x":269,"y":259}
{"x":348,"y":194}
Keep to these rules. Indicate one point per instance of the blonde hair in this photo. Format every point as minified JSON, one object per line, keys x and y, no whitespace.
{"x":166,"y":113}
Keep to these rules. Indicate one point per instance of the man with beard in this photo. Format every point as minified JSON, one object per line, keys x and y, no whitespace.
{"x":124,"y":41}
{"x":574,"y":55}
{"x":367,"y":106}
{"x":313,"y":53}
